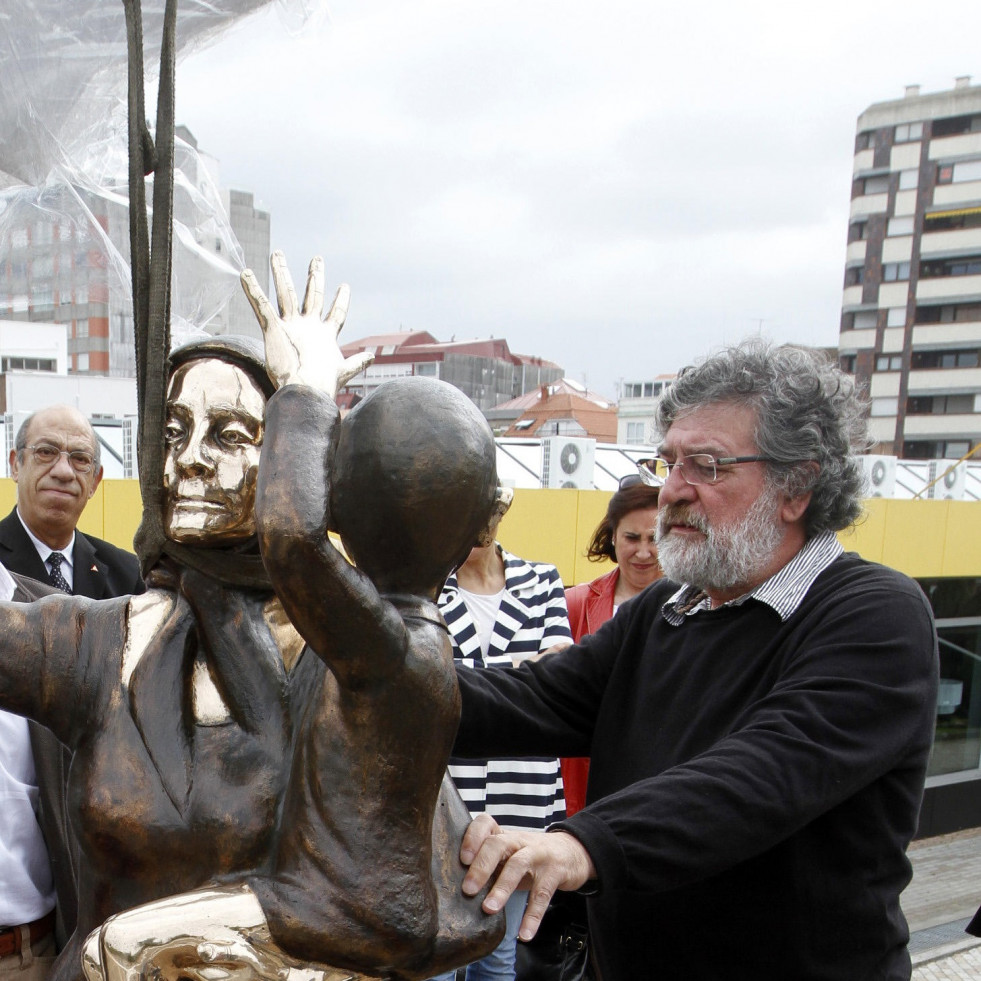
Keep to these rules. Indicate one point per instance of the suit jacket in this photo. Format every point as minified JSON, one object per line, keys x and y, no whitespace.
{"x":51,"y":761}
{"x":99,"y":570}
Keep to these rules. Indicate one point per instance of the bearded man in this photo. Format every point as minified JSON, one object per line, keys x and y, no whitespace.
{"x":759,"y":728}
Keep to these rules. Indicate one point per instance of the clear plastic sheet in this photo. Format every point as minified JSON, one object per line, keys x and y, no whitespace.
{"x":63,"y":162}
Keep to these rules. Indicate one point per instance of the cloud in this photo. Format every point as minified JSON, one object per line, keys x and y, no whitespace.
{"x":618,"y":187}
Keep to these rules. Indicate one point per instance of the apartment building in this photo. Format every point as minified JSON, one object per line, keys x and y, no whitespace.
{"x":635,"y":412}
{"x":911,"y":307}
{"x":64,"y":259}
{"x":485,"y":370}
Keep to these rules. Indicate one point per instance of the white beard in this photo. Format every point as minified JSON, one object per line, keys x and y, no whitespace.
{"x":728,"y":556}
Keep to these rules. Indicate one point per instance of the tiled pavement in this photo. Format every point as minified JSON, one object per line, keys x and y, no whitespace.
{"x":944,"y":894}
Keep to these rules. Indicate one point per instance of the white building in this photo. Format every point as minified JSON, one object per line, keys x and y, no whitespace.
{"x":34,"y":375}
{"x":911,"y":308}
{"x":635,"y":412}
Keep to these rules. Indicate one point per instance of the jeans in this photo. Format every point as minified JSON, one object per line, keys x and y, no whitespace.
{"x":498,"y":965}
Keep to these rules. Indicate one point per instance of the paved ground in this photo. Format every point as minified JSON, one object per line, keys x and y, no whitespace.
{"x":944,"y":894}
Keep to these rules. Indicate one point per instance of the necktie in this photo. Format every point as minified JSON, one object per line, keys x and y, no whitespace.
{"x":57,"y":576}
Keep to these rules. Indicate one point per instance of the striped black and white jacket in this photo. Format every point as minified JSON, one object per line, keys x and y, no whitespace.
{"x":518,"y":793}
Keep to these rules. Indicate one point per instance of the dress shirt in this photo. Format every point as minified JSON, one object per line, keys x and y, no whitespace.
{"x":44,"y":551}
{"x":28,"y":889}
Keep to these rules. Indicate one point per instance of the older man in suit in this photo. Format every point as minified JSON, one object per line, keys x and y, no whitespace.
{"x":56,"y":464}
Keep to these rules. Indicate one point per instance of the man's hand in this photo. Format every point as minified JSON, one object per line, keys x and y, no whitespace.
{"x":534,"y":860}
{"x":300,"y":347}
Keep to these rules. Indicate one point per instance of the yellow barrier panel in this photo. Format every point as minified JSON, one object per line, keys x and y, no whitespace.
{"x":924,"y":539}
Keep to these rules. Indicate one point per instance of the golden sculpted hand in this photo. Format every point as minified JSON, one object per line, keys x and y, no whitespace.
{"x":302,"y":348}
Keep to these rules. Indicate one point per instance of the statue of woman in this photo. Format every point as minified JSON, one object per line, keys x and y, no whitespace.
{"x":177,"y":703}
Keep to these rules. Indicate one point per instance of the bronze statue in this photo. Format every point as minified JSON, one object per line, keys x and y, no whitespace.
{"x":409,"y":482}
{"x":168,"y":700}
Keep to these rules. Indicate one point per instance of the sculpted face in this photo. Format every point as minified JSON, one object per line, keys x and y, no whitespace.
{"x":214,"y":435}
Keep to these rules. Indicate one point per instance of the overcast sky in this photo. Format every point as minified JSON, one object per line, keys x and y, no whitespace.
{"x":619,"y":187}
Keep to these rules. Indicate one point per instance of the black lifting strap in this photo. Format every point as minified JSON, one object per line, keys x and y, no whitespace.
{"x":151,"y":264}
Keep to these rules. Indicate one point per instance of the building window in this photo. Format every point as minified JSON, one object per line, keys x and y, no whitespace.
{"x":900,"y":226}
{"x":955,"y":449}
{"x":909,"y":180}
{"x":949,"y":313}
{"x":896,"y":317}
{"x":960,"y":172}
{"x":855,"y":276}
{"x":889,"y":362}
{"x":857,"y":231}
{"x":847,"y":363}
{"x":963,"y":358}
{"x":940,"y":405}
{"x":909,"y":133}
{"x":895,"y":271}
{"x":945,"y":221}
{"x":956,"y":125}
{"x":884,"y":407}
{"x":879,"y":184}
{"x":426,"y":368}
{"x":27,"y":364}
{"x":864,"y":319}
{"x":963,"y":266}
{"x":636,"y":432}
{"x":864,"y":140}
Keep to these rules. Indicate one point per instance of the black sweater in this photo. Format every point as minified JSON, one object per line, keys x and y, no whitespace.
{"x":754,"y":783}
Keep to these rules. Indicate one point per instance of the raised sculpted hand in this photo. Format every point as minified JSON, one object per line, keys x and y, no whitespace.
{"x":302,"y":348}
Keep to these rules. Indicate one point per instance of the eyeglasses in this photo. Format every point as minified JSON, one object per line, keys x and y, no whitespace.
{"x":698,"y":468}
{"x":46,"y":455}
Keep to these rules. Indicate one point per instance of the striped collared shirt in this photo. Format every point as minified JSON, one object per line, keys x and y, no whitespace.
{"x":782,"y":592}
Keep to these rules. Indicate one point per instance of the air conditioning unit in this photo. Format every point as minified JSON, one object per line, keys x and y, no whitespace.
{"x":953,"y":480}
{"x":880,"y":475}
{"x":567,"y":461}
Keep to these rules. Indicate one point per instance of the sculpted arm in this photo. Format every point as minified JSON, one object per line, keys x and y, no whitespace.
{"x":39,"y":664}
{"x":334,"y":606}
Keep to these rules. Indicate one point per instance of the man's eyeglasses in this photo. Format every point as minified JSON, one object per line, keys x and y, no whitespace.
{"x":46,"y":455}
{"x":698,"y":468}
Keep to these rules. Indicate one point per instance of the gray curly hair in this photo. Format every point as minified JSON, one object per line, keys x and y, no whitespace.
{"x":808,"y":411}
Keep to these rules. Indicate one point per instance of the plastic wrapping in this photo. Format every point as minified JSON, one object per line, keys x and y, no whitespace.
{"x":64,"y":236}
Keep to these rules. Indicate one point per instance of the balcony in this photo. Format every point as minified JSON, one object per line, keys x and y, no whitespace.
{"x":943,"y":427}
{"x":948,"y":147}
{"x":864,"y":160}
{"x":949,"y":381}
{"x":946,"y":335}
{"x":869,"y":204}
{"x":950,"y":194}
{"x":949,"y":288}
{"x":952,"y":242}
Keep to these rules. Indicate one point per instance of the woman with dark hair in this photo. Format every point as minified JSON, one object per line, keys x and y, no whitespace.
{"x":626,"y":535}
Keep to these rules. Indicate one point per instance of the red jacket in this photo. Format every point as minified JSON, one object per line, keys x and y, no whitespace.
{"x":590,"y":606}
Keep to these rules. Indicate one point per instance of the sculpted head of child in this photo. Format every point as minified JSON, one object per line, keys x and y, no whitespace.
{"x":413,"y":483}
